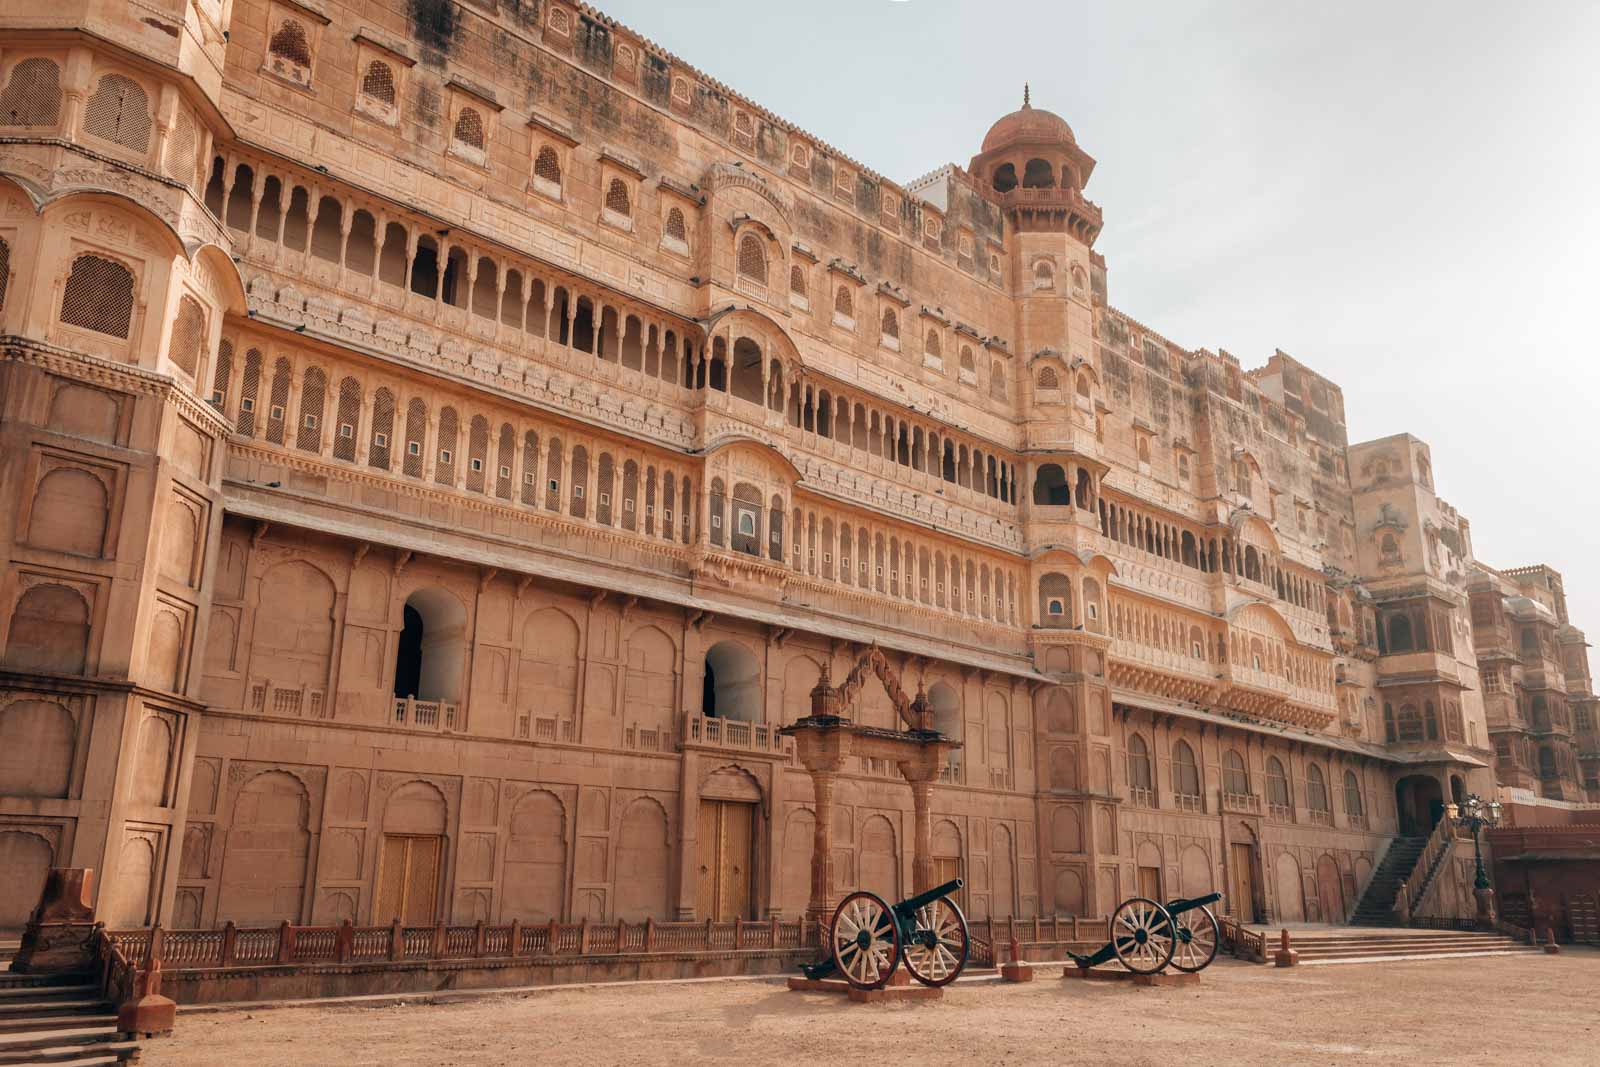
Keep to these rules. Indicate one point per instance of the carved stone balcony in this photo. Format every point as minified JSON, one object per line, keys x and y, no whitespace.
{"x":706,"y":731}
{"x":437,"y":715}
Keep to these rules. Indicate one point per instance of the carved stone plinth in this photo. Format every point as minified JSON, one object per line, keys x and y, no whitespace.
{"x":59,"y":938}
{"x":149,"y":1014}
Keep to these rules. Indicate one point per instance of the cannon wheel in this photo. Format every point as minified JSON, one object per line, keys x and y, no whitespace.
{"x":866,"y":940}
{"x":1142,"y":935}
{"x":936,"y":950}
{"x":1197,"y":939}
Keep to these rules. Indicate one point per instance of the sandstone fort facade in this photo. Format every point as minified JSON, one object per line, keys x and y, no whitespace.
{"x":444,"y":442}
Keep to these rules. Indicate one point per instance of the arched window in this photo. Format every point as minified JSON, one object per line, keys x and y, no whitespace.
{"x":1410,"y":723}
{"x":99,"y":296}
{"x":1038,"y":174}
{"x":1316,"y":789}
{"x":1050,"y":486}
{"x":675,"y":228}
{"x":842,"y":302}
{"x":1389,"y":723}
{"x":797,"y":281}
{"x":32,"y":96}
{"x":1185,"y":774}
{"x":1353,"y":804}
{"x":469,"y":128}
{"x":617,"y":199}
{"x":997,"y":380}
{"x":119,"y":112}
{"x":1055,"y":601}
{"x":1235,"y":777}
{"x":1430,"y":720}
{"x":732,"y":687}
{"x":752,"y":259}
{"x":891,"y":325}
{"x":1139,"y":777}
{"x":377,"y":84}
{"x":930,"y":344}
{"x":1277,"y":785}
{"x":969,"y":365}
{"x":1044,"y":275}
{"x":432,"y":647}
{"x":289,"y":43}
{"x":1005,"y":178}
{"x":547,"y":169}
{"x":1048,"y":379}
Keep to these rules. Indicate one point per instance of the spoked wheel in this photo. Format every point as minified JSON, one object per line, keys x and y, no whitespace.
{"x":1197,"y":939}
{"x":866,"y":941}
{"x":936,"y":950}
{"x":1142,"y":935}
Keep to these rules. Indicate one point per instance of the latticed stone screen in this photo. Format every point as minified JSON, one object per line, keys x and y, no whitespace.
{"x":32,"y":96}
{"x":477,"y":453}
{"x":119,"y":112}
{"x":469,"y":128}
{"x":278,"y":400}
{"x":445,"y":470}
{"x":349,"y":418}
{"x":675,"y":226}
{"x":548,"y":166}
{"x":188,"y":335}
{"x":378,"y":82}
{"x":5,"y":270}
{"x":182,"y":149}
{"x":416,"y":437}
{"x":313,"y":400}
{"x":249,"y":388}
{"x":752,"y":258}
{"x":99,"y":296}
{"x":530,"y":468}
{"x":382,"y":429}
{"x":221,"y":375}
{"x":617,"y":198}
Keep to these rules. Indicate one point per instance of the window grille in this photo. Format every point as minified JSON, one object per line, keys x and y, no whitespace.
{"x":119,"y":112}
{"x":445,"y":471}
{"x":548,"y":166}
{"x":505,"y":454}
{"x":188,"y":335}
{"x":416,"y":434}
{"x":617,"y":198}
{"x":378,"y":83}
{"x":752,"y":258}
{"x":997,"y":380}
{"x":280,"y":397}
{"x":842,"y":302}
{"x":930,"y":345}
{"x":469,"y":128}
{"x":182,"y":148}
{"x":477,"y":451}
{"x":382,"y":429}
{"x":249,"y":385}
{"x":289,"y":43}
{"x":891,"y":324}
{"x":344,"y":445}
{"x":33,"y":95}
{"x":797,"y":280}
{"x":675,"y":226}
{"x":5,"y":270}
{"x":313,"y":395}
{"x":221,"y":375}
{"x":99,"y":296}
{"x":530,"y":468}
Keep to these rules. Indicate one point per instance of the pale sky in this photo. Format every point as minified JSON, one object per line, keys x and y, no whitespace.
{"x":1405,"y":196}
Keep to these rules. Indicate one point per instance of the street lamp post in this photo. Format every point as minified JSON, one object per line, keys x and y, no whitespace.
{"x":1473,"y":815}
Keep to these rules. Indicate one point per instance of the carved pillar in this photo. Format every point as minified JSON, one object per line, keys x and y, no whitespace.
{"x":822,"y":902}
{"x":922,"y":837}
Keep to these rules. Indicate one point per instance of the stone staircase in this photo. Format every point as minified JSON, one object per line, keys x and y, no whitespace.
{"x":47,"y":1020}
{"x":1385,"y":946}
{"x":1376,"y":907}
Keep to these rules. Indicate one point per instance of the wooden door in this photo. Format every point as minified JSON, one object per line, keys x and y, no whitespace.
{"x":408,"y":879}
{"x":727,"y":855}
{"x":1150,"y":883}
{"x":1242,"y":883}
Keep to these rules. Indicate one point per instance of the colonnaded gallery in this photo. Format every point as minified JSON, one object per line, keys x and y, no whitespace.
{"x":443,"y":443}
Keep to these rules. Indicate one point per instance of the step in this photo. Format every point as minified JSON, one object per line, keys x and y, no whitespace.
{"x":23,"y":1009}
{"x":77,"y":1055}
{"x":1407,"y":950}
{"x":58,"y":1021}
{"x":1410,"y":957}
{"x":11,"y":992}
{"x":60,"y":1035}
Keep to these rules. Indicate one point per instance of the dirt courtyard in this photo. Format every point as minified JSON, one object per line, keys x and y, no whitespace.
{"x":1494,"y":1010}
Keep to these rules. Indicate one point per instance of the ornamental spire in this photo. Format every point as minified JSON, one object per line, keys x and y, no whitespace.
{"x":1025,"y":95}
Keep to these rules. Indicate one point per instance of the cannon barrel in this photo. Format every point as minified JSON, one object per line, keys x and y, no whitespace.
{"x":1177,"y":907}
{"x":910,"y":905}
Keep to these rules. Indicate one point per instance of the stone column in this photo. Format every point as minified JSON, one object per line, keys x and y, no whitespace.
{"x":823,"y":901}
{"x":922,"y":837}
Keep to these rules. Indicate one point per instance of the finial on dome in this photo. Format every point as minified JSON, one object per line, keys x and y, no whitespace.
{"x":1025,"y":95}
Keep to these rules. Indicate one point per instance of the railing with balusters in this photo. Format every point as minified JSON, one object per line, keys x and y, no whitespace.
{"x":1409,"y":897}
{"x":426,"y":714}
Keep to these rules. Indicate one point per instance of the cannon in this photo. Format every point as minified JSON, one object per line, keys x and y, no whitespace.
{"x":1147,"y":936}
{"x":869,"y":937}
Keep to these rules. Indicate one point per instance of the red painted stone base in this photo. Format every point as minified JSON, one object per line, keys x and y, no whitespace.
{"x":890,"y":994}
{"x":1017,"y":972}
{"x":1163,"y":980}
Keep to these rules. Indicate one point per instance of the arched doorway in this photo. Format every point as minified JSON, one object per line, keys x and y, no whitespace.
{"x":1418,"y":804}
{"x":1243,"y":855}
{"x":432,"y":647}
{"x":1330,"y":893}
{"x":1458,"y":790}
{"x":412,"y":856}
{"x":730,"y":817}
{"x":946,"y":708}
{"x":732,"y":688}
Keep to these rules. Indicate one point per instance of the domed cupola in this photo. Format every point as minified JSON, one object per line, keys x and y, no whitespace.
{"x":1032,"y":165}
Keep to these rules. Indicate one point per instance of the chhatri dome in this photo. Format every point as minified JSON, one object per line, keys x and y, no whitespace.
{"x":1029,"y":125}
{"x":1031,"y":163}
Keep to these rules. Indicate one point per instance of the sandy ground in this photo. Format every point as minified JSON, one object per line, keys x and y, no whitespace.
{"x":1496,"y":1010}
